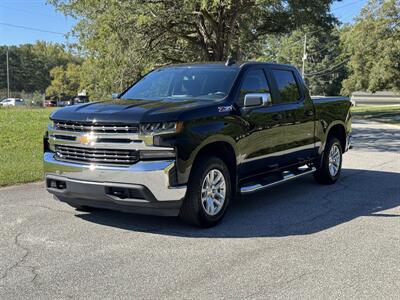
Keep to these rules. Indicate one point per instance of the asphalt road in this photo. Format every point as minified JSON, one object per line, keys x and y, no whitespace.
{"x":300,"y":240}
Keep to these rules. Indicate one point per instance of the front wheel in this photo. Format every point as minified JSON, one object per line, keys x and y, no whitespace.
{"x":331,"y":165}
{"x":208,"y":195}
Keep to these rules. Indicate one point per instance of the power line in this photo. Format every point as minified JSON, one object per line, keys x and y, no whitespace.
{"x":305,"y":54}
{"x":326,"y":71}
{"x":318,"y":51}
{"x":31,"y":28}
{"x":319,"y":30}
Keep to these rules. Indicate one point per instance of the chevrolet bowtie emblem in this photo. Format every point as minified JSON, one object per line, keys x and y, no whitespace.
{"x":86,"y":139}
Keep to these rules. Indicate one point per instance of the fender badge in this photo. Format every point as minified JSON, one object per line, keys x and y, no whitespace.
{"x":222,"y":109}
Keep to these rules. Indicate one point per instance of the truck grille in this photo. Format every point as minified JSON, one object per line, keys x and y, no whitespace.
{"x":95,"y":127}
{"x":91,"y":155}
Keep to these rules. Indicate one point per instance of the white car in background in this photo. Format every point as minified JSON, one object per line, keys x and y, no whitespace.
{"x":12,"y":102}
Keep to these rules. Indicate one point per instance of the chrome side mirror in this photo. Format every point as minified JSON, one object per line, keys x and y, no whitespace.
{"x":257,"y":100}
{"x":115,"y":95}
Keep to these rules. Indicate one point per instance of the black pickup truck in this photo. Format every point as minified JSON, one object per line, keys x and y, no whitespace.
{"x":185,"y":139}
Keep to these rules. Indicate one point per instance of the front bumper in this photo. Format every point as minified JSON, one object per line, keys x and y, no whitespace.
{"x":144,"y":187}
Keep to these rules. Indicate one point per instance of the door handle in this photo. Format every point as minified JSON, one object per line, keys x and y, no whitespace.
{"x":309,"y":113}
{"x":277,"y":117}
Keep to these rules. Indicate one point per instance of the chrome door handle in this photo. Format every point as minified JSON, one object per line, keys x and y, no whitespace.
{"x":309,"y":113}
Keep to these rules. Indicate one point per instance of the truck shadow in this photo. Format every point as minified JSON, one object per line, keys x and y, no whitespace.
{"x":297,"y":208}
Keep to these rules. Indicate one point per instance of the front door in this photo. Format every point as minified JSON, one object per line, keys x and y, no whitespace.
{"x":264,"y":139}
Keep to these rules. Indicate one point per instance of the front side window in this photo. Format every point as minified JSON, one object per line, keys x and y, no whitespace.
{"x":254,"y":82}
{"x":287,"y":86}
{"x":182,"y":83}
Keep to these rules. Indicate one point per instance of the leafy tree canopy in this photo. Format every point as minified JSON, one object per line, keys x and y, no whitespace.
{"x":65,"y":80}
{"x":30,"y":65}
{"x":126,"y":38}
{"x":373,"y":45}
{"x":323,"y":51}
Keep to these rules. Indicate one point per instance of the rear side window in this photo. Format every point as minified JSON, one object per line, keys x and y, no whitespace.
{"x":287,"y":86}
{"x":254,"y":82}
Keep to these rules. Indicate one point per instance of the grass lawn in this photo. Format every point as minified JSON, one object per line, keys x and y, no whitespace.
{"x":21,"y":144}
{"x":387,"y":113}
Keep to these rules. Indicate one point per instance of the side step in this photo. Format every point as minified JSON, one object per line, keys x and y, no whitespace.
{"x":285,"y":176}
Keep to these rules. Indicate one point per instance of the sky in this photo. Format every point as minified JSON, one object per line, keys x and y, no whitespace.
{"x":16,"y":16}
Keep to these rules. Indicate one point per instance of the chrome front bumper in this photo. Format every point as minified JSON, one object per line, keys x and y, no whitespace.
{"x":90,"y":182}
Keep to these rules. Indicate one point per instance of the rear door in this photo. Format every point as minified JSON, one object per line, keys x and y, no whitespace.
{"x":298,"y":114}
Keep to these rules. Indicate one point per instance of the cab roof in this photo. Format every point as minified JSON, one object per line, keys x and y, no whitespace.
{"x":220,"y":64}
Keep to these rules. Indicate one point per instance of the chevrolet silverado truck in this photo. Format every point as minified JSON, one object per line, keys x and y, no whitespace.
{"x":186,"y":139}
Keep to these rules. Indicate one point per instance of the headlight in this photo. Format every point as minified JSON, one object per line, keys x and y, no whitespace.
{"x":157,"y":154}
{"x":160,"y":128}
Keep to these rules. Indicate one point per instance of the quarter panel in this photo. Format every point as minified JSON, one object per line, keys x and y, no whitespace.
{"x":331,"y":112}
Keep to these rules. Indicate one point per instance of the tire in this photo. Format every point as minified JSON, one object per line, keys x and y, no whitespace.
{"x":325,"y":173}
{"x":202,"y":208}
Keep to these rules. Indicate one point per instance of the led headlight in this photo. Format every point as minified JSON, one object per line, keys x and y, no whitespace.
{"x":160,"y":128}
{"x":157,"y":154}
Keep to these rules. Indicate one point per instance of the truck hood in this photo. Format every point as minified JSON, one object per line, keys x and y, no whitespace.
{"x":129,"y":111}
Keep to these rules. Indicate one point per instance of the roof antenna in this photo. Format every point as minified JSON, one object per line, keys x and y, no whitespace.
{"x":230,"y":61}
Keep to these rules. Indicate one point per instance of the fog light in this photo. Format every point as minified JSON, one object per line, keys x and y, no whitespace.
{"x":53,"y":184}
{"x":56,"y":184}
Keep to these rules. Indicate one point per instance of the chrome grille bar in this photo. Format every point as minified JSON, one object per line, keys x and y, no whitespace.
{"x":88,"y":155}
{"x":95,"y":127}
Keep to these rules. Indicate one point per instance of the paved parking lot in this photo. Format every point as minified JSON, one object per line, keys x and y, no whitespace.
{"x":299,"y":240}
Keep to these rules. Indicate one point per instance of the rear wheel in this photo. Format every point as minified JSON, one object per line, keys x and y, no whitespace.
{"x":209,"y":193}
{"x":331,"y":165}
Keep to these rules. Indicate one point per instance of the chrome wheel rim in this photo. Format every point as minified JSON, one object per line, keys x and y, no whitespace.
{"x":334,"y":160}
{"x":213,"y":192}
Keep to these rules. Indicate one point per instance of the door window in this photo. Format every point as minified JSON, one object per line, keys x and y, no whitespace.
{"x":254,"y":82}
{"x":287,"y":86}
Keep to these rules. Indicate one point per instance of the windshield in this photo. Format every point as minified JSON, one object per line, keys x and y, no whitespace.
{"x":183,"y":83}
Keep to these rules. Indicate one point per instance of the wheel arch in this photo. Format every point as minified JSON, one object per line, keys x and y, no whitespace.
{"x":225,"y":151}
{"x":337,"y":130}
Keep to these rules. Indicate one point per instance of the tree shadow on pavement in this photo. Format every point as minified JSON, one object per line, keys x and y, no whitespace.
{"x":297,"y":208}
{"x":376,"y":139}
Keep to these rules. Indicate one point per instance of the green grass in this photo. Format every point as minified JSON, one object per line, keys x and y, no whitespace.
{"x":21,"y":144}
{"x":386,"y":114}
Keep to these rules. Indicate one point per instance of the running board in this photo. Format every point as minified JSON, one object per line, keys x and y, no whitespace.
{"x":286,"y":176}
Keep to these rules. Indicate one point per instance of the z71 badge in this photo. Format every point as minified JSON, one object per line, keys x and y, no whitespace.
{"x":225,"y":108}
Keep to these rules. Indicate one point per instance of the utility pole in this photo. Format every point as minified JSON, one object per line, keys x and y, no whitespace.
{"x":304,"y":54}
{"x":8,"y":77}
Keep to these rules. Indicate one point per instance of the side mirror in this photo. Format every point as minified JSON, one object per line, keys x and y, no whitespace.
{"x":254,"y":100}
{"x":115,"y":95}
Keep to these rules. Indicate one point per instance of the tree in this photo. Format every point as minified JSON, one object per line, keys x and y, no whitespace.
{"x":323,"y":54}
{"x":65,"y":81}
{"x":373,"y":44}
{"x":127,"y":38}
{"x":30,"y":65}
